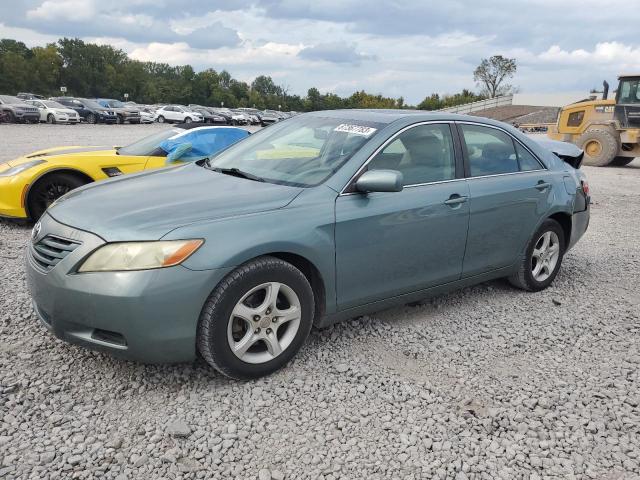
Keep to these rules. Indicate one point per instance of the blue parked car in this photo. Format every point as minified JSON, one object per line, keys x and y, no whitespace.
{"x":318,"y":218}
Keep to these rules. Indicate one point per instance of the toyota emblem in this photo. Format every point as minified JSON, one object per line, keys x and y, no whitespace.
{"x":36,"y":231}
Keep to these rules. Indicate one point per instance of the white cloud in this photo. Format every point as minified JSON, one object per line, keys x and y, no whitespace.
{"x":606,"y":53}
{"x":400,"y":48}
{"x":73,"y":10}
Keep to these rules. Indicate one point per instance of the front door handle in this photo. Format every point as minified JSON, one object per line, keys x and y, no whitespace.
{"x":455,"y":199}
{"x":541,"y":185}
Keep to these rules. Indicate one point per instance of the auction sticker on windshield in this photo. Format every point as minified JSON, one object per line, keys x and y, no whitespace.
{"x":355,"y":129}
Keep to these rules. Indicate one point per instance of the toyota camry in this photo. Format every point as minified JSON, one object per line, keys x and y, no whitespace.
{"x":318,"y":218}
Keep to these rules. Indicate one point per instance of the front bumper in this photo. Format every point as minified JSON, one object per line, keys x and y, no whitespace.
{"x":65,"y":118}
{"x":131,"y":117}
{"x":105,"y":118}
{"x":27,"y":116}
{"x":149,"y":316}
{"x":12,"y":191}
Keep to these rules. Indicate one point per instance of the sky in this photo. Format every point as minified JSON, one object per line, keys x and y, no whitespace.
{"x":407,"y":48}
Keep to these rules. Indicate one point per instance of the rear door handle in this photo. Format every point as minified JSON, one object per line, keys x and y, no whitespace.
{"x":455,"y":199}
{"x":542,"y":185}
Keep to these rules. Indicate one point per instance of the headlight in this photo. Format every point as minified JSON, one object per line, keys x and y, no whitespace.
{"x":20,"y":168}
{"x":139,"y":255}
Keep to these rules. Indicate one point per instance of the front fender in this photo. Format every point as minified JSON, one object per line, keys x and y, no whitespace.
{"x":304,"y":228}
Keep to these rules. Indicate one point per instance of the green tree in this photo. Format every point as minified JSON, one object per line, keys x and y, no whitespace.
{"x":492,"y":72}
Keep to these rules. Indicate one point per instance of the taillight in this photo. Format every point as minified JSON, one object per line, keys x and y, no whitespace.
{"x":585,"y":187}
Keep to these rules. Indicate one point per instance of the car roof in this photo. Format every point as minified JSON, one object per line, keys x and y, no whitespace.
{"x":387,"y":116}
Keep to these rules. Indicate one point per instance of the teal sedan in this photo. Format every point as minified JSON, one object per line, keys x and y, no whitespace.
{"x":318,"y":218}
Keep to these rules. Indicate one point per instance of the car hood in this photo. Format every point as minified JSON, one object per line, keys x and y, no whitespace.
{"x":19,"y":105}
{"x":68,"y":111}
{"x":149,"y":205}
{"x":51,"y":154}
{"x":124,"y":109}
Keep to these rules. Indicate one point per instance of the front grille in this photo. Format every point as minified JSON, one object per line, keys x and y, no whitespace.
{"x":49,"y":250}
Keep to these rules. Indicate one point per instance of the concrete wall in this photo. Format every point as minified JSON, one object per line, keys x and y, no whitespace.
{"x":549,"y":99}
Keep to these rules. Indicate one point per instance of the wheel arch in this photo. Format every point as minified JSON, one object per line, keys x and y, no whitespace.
{"x":70,"y":171}
{"x":313,"y":275}
{"x":564,"y":219}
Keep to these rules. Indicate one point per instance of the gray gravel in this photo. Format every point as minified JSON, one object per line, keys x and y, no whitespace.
{"x":488,"y":382}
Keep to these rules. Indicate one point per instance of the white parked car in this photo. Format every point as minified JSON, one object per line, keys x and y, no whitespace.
{"x":54,"y":112}
{"x":177,"y":114}
{"x":147,"y":117}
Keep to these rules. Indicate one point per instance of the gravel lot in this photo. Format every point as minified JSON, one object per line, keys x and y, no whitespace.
{"x":488,"y":382}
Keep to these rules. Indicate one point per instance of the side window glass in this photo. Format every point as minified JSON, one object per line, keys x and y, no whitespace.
{"x":527,"y":161}
{"x":490,"y":151}
{"x":423,"y":154}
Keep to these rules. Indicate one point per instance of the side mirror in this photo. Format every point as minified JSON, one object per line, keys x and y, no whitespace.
{"x":380,"y":181}
{"x":178,"y":152}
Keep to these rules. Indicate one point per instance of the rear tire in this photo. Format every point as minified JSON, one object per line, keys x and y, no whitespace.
{"x":91,"y":118}
{"x":161,"y":119}
{"x":621,"y":161}
{"x":600,"y":146}
{"x":11,"y":117}
{"x":276,"y":302}
{"x":540,"y":263}
{"x":48,"y":189}
{"x":187,"y":120}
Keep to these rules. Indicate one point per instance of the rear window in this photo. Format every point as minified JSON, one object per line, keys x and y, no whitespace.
{"x":490,"y":151}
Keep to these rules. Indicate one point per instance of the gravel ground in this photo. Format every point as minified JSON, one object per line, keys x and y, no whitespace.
{"x":487,"y":382}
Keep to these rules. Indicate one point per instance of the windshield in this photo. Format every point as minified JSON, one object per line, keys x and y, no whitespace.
{"x":115,"y":103}
{"x":90,"y":103}
{"x":150,"y":145}
{"x":304,"y":151}
{"x":10,"y":99}
{"x":629,"y":91}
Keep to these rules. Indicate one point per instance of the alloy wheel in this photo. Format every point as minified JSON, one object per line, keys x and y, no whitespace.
{"x":545,"y":255}
{"x":264,"y":322}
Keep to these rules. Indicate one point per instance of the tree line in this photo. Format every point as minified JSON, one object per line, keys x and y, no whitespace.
{"x":92,"y":70}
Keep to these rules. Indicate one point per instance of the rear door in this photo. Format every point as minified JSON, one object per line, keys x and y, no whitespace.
{"x":170,"y":113}
{"x":509,"y":192}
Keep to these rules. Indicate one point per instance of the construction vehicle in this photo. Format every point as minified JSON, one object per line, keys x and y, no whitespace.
{"x":608,"y":130}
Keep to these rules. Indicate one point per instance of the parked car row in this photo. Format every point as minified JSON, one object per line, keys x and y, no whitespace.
{"x":32,"y":108}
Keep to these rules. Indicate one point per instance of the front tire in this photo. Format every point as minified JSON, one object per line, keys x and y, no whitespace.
{"x":120,"y":120}
{"x":48,"y":189}
{"x":51,"y":119}
{"x":541,"y":261}
{"x":161,"y":119}
{"x":187,"y":120}
{"x":600,"y":146}
{"x":91,"y":118}
{"x":256,"y":319}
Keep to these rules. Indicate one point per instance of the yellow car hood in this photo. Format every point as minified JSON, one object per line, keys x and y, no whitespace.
{"x":50,"y":154}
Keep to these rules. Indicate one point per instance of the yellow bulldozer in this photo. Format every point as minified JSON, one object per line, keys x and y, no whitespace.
{"x":608,"y":130}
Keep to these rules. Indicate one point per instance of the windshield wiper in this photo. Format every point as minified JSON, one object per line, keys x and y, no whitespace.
{"x":236,"y":172}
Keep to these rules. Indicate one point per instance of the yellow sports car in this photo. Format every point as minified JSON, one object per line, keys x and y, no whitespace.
{"x":29,"y":184}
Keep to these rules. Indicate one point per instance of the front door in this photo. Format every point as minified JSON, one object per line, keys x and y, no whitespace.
{"x":392,"y":243}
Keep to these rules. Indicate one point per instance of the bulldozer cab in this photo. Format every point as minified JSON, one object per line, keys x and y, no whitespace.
{"x":627,"y":108}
